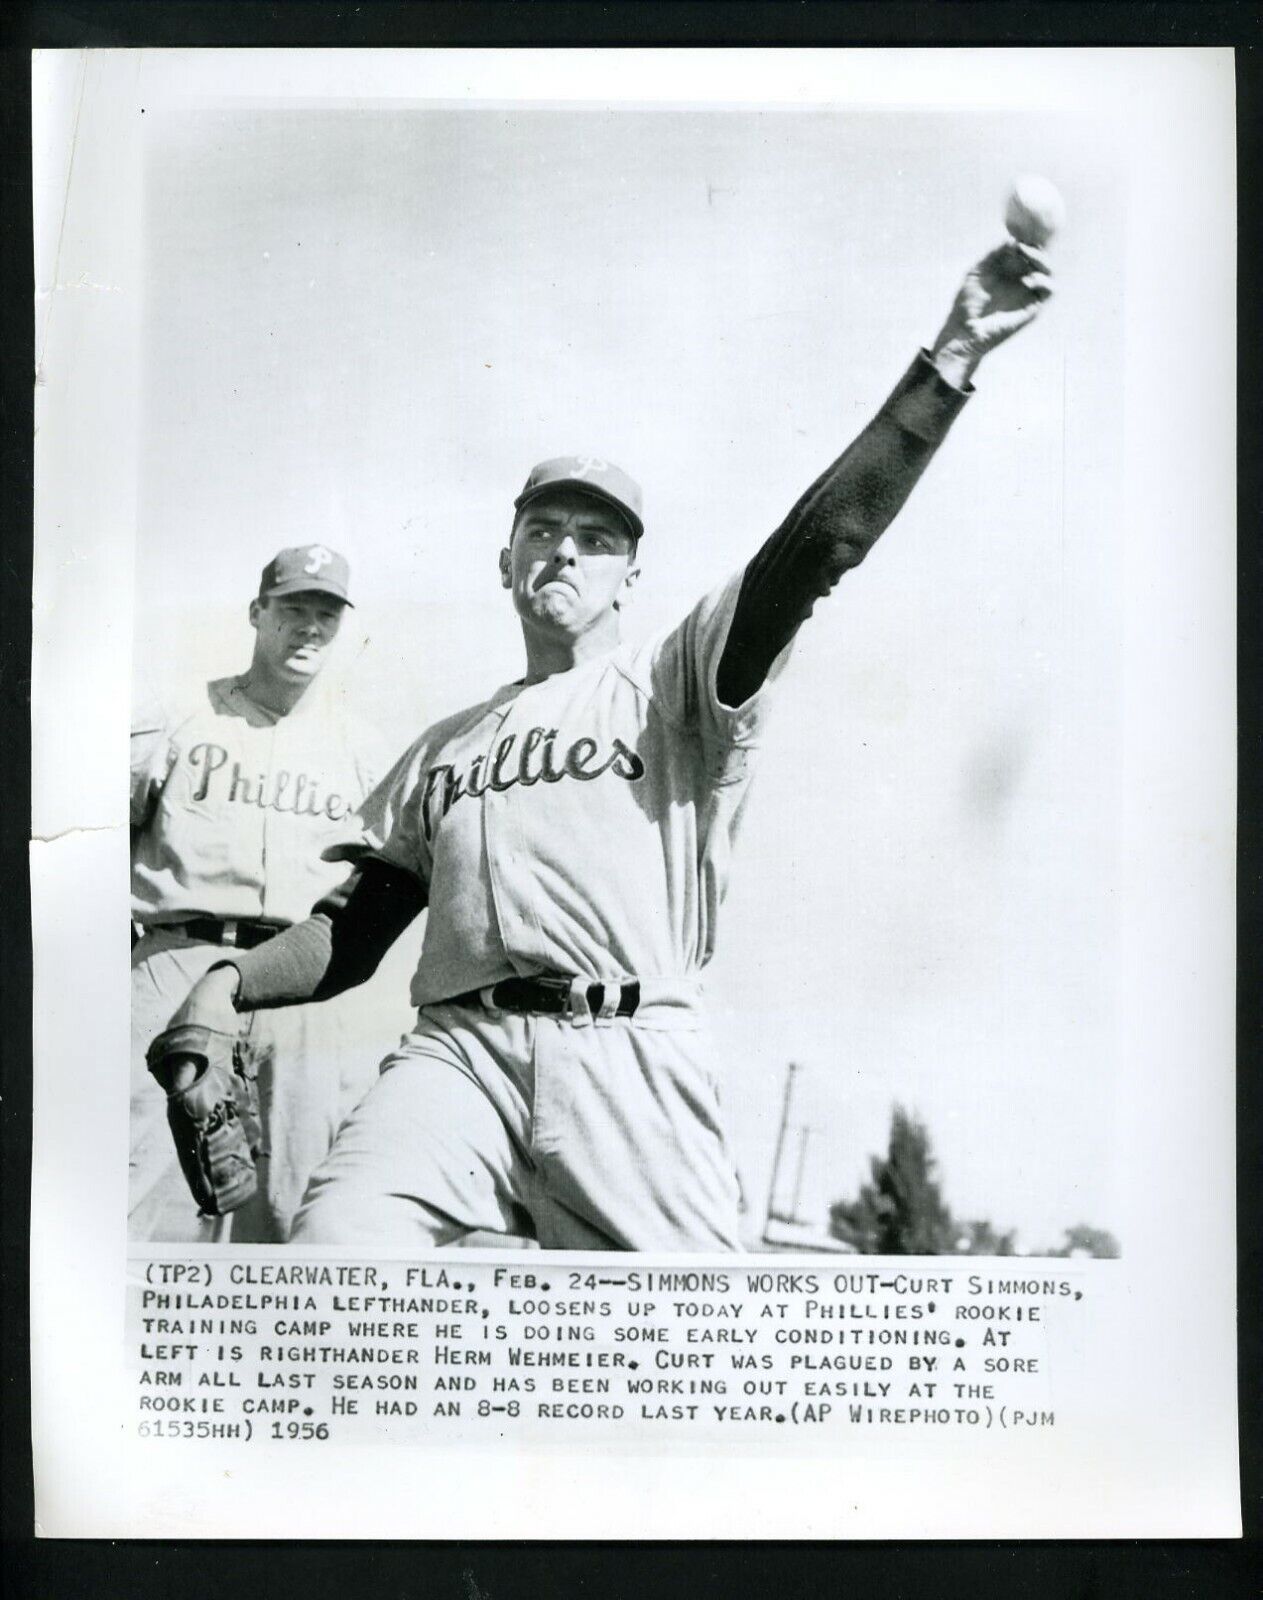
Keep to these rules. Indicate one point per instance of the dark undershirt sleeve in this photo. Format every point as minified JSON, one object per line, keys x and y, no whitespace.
{"x":834,"y":526}
{"x":339,"y":946}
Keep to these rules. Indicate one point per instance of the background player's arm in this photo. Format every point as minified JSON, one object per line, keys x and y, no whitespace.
{"x":338,"y":947}
{"x":839,"y":519}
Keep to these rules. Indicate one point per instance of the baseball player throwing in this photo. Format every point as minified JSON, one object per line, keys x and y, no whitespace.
{"x":572,"y":837}
{"x":233,"y":800}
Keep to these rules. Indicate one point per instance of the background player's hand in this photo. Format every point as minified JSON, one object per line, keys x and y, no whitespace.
{"x":1000,"y":295}
{"x":208,"y":1004}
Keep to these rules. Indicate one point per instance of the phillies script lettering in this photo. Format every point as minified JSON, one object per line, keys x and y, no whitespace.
{"x":292,"y":792}
{"x":511,"y":764}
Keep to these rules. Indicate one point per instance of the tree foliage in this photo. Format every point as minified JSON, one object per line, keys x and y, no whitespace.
{"x":901,"y":1211}
{"x":982,"y":1239}
{"x":1084,"y":1241}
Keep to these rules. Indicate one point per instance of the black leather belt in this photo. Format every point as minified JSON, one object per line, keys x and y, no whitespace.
{"x":550,"y":997}
{"x":242,"y":932}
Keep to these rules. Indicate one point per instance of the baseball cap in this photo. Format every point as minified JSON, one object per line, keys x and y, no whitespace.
{"x":305,"y":567}
{"x":593,"y":476}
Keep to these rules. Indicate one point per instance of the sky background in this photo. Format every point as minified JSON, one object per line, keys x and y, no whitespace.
{"x":363,"y":327}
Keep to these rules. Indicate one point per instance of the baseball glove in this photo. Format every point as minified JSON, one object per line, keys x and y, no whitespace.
{"x":213,"y":1118}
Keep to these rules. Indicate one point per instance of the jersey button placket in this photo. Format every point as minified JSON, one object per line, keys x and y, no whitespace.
{"x":274,"y":861}
{"x":506,"y":856}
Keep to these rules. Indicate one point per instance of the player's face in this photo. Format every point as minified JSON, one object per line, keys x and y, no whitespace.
{"x":294,"y":632}
{"x":570,"y":564}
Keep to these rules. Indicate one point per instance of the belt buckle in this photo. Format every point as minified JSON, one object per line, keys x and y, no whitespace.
{"x":230,"y":927}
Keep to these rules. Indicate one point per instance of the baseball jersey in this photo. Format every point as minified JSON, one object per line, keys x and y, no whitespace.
{"x":232,"y":805}
{"x":583,"y":824}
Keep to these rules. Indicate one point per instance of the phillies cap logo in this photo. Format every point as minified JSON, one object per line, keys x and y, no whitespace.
{"x":593,"y":474}
{"x":306,"y":568}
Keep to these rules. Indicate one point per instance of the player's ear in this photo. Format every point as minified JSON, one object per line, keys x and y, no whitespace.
{"x":506,"y":571}
{"x":626,"y":591}
{"x":255,"y":608}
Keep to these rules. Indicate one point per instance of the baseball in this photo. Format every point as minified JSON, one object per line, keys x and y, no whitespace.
{"x":1034,"y":210}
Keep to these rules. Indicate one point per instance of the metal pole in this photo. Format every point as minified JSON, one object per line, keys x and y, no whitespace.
{"x":780,"y":1145}
{"x":802,"y":1162}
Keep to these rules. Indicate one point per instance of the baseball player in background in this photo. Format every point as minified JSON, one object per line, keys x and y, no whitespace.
{"x":233,"y":799}
{"x":572,"y":837}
